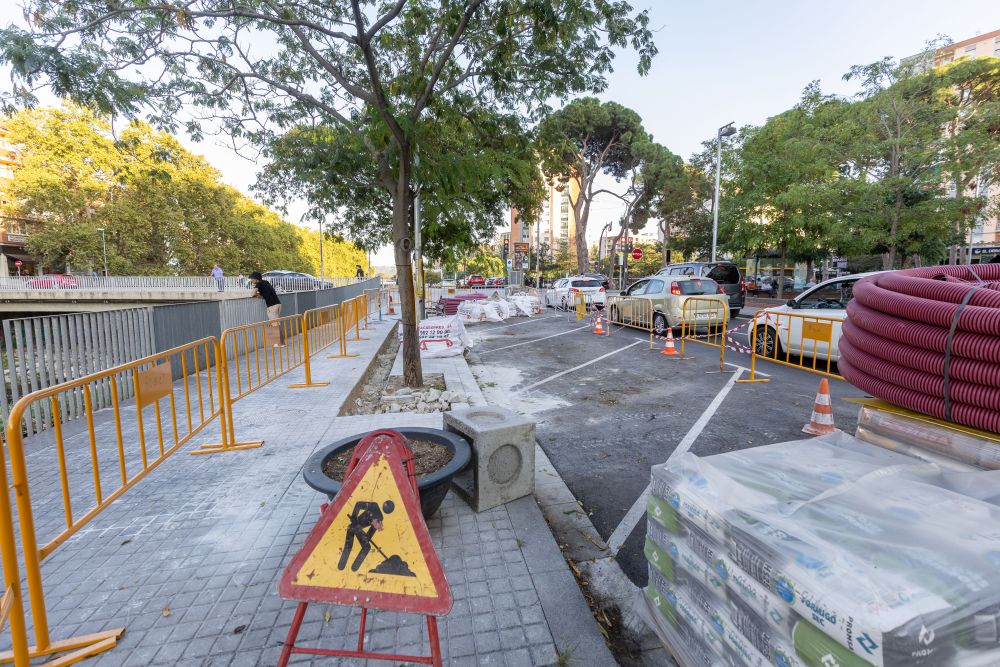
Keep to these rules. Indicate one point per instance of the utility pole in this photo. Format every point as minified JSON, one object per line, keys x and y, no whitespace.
{"x":724,"y":131}
{"x":104,"y":243}
{"x":322,"y":268}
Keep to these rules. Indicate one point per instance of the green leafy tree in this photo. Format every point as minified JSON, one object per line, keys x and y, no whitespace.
{"x":583,"y":140}
{"x":163,"y":209}
{"x":683,"y":212}
{"x":372,"y":67}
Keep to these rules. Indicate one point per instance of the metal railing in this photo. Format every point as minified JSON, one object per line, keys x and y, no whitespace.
{"x":793,"y":339}
{"x":75,"y":483}
{"x":44,"y":351}
{"x":710,"y":316}
{"x":165,"y":283}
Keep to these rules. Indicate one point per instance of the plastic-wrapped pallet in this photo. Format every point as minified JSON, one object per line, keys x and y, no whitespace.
{"x":828,"y":552}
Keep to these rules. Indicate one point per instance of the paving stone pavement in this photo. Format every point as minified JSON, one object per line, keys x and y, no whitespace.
{"x":188,"y":560}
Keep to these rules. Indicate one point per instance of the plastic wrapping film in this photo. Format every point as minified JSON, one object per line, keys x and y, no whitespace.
{"x":923,"y":438}
{"x":823,"y":553}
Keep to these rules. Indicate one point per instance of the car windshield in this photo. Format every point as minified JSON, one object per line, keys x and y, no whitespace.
{"x":586,"y":283}
{"x":698,"y":286}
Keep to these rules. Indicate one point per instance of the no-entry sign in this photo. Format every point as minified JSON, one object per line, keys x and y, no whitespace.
{"x":637,"y":254}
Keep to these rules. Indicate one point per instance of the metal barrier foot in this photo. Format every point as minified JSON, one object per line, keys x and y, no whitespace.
{"x":214,"y":447}
{"x":341,"y":356}
{"x":82,"y":647}
{"x":308,"y":385}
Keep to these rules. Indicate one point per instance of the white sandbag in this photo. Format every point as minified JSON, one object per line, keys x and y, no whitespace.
{"x":442,"y":337}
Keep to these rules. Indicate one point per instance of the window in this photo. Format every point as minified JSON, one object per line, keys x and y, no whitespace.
{"x":654,"y":287}
{"x":971,"y":50}
{"x":698,"y":286}
{"x":727,"y":274}
{"x":586,"y":283}
{"x":638,"y":288}
{"x":833,"y":296}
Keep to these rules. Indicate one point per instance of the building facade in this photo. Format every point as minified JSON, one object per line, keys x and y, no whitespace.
{"x":14,"y":258}
{"x":984,"y":239}
{"x":555,"y":228}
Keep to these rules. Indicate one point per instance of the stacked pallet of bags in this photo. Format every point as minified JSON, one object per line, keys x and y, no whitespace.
{"x":827,"y":552}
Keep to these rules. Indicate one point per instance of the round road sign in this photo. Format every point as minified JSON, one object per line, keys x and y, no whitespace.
{"x":637,"y":254}
{"x":17,"y":263}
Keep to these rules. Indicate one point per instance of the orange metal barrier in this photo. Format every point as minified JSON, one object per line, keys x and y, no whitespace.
{"x":712,"y":315}
{"x":90,"y":478}
{"x":268,"y":350}
{"x":630,"y":311}
{"x":793,"y":339}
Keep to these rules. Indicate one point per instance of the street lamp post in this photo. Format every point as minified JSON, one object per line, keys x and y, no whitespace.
{"x":724,"y":131}
{"x":104,"y":244}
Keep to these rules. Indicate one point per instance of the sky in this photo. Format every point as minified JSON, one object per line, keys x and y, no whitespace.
{"x":729,"y":61}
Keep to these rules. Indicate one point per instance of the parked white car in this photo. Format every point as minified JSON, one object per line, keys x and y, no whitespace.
{"x":829,"y":299}
{"x":563,"y":291}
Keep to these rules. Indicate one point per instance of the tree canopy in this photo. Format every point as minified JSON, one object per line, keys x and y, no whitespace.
{"x":260,"y":68}
{"x":583,"y":140}
{"x":163,"y":208}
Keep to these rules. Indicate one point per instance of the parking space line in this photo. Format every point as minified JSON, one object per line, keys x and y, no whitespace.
{"x":631,"y":519}
{"x":504,"y":326}
{"x":535,"y":340}
{"x":583,"y":365}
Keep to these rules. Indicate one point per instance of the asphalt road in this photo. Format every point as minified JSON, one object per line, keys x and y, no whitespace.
{"x":608,"y":408}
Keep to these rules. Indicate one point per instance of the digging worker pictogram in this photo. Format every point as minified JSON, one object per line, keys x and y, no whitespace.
{"x":365,"y":521}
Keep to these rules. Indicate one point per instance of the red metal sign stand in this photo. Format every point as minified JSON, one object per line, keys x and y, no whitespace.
{"x":394,"y":445}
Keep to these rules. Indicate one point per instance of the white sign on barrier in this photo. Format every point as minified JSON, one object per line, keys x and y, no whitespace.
{"x":442,"y":337}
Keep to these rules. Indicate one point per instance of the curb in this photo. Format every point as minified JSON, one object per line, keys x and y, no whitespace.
{"x":595,"y":564}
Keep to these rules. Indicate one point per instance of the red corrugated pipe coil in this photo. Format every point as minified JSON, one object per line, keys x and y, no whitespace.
{"x":928,"y":340}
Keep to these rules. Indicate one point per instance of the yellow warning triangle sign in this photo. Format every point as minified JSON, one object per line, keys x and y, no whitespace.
{"x":371,"y":548}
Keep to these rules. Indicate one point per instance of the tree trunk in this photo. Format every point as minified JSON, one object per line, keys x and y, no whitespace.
{"x":889,"y":259}
{"x":809,"y":269}
{"x":412,"y":373}
{"x":665,"y":228}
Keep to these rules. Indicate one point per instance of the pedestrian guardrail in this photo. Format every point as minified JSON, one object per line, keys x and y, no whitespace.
{"x":705,"y":321}
{"x":630,"y":311}
{"x":806,"y":342}
{"x":78,"y":483}
{"x":185,"y":388}
{"x":166,"y":283}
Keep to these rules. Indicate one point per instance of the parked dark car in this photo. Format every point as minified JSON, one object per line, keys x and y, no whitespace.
{"x":605,"y":282}
{"x":496,"y":282}
{"x":726,"y":274}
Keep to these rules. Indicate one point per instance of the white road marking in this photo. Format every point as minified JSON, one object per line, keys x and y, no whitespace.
{"x":583,"y":365}
{"x":535,"y":340}
{"x":504,"y":326}
{"x":635,"y":513}
{"x":744,"y":368}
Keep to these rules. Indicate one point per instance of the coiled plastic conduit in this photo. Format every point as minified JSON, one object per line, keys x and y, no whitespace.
{"x":928,"y":340}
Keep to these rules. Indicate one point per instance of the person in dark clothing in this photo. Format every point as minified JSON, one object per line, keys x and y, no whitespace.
{"x":262,"y":289}
{"x":360,"y":273}
{"x":365,"y":520}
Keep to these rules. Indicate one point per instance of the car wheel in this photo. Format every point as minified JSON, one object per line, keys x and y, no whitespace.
{"x":767,"y":343}
{"x":562,"y":303}
{"x":660,"y":324}
{"x":733,"y":312}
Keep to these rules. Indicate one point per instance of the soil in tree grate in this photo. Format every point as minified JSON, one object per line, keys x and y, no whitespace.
{"x":428,"y":457}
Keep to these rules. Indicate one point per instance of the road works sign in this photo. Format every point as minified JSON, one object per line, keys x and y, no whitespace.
{"x":371,"y":547}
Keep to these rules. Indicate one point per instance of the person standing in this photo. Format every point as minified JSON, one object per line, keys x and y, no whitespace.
{"x":220,"y":279}
{"x":262,"y":289}
{"x":360,"y":273}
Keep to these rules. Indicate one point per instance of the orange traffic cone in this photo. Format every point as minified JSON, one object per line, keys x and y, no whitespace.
{"x":599,"y":330}
{"x":668,"y":347}
{"x":391,"y":310}
{"x":822,"y":416}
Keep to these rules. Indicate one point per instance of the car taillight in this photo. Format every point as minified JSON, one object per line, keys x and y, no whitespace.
{"x":743,"y":285}
{"x":675,"y":288}
{"x":721,"y":290}
{"x":601,"y":290}
{"x":573,"y":289}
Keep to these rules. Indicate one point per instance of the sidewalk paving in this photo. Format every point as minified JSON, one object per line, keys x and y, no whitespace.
{"x":188,"y":560}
